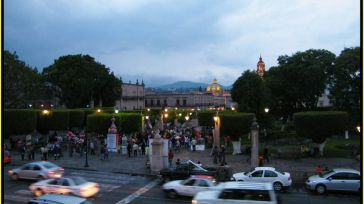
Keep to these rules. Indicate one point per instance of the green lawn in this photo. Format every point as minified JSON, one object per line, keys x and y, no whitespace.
{"x":331,"y":149}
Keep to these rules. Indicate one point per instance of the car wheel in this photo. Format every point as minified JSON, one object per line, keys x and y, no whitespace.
{"x":38,"y":192}
{"x":320,"y":189}
{"x":277,"y":186}
{"x":39,"y":178}
{"x":172,"y":194}
{"x":14,"y":176}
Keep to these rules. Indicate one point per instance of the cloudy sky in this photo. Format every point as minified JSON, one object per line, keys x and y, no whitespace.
{"x":163,"y":41}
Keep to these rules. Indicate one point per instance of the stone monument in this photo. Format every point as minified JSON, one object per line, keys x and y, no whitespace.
{"x":156,"y":160}
{"x":111,"y":137}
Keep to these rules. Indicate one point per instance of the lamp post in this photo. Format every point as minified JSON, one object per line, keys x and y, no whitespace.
{"x":254,"y":143}
{"x":216,"y":132}
{"x":86,"y":159}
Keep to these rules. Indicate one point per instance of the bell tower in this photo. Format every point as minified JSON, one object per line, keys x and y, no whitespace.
{"x":260,"y":67}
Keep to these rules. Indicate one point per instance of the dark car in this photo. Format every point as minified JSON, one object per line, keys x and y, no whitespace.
{"x":185,"y":170}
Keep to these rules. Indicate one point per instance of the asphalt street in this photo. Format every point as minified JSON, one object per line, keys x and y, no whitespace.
{"x":124,"y":188}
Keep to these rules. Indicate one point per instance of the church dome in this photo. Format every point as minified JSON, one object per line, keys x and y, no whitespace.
{"x":214,"y":88}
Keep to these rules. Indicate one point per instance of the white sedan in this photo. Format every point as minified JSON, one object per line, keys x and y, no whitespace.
{"x":266,"y":174}
{"x":66,"y":185}
{"x":190,"y":186}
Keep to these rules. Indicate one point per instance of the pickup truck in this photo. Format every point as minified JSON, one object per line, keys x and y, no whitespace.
{"x":185,"y":170}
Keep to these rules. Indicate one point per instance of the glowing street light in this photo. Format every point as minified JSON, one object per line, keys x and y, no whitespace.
{"x":165,"y":110}
{"x":147,"y":117}
{"x":358,"y":128}
{"x":187,"y":117}
{"x":266,"y":110}
{"x":216,"y":118}
{"x":45,"y":112}
{"x":116,"y":111}
{"x":179,"y":114}
{"x":190,"y":113}
{"x":99,"y":110}
{"x":166,"y":115}
{"x":233,"y":108}
{"x":30,"y":105}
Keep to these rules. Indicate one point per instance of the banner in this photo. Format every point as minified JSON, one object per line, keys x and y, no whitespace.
{"x":111,"y":142}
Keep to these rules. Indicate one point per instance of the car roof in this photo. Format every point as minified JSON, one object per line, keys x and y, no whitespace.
{"x":346,"y":170}
{"x":265,"y":168}
{"x":61,"y":198}
{"x":248,"y":185}
{"x":41,"y":162}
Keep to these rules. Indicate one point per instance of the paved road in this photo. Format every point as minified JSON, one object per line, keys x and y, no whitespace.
{"x":123,"y":189}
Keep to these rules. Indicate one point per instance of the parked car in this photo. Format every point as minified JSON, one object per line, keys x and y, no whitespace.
{"x":238,"y":192}
{"x":6,"y":157}
{"x":66,"y":185}
{"x":336,"y":179}
{"x":59,"y":199}
{"x":279,"y":179}
{"x":37,"y":170}
{"x":185,"y":170}
{"x":190,"y":186}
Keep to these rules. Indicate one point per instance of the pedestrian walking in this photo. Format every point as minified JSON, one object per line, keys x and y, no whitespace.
{"x":129,"y":147}
{"x":215,"y":154}
{"x":22,"y":151}
{"x":44,"y":151}
{"x":266,"y":154}
{"x":178,"y":162}
{"x":170,"y":157}
{"x":102,"y":152}
{"x":222,"y":154}
{"x":143,"y":148}
{"x":135,"y":149}
{"x":194,"y":144}
{"x":92,"y":148}
{"x":106,"y":153}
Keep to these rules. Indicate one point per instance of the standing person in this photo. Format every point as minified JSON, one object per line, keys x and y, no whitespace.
{"x":135,"y":149}
{"x":266,"y":154}
{"x":129,"y":148}
{"x":222,"y":154}
{"x":106,"y":152}
{"x":143,"y":148}
{"x":32,"y":151}
{"x":92,"y":148}
{"x":44,"y":151}
{"x":102,"y":152}
{"x":22,"y":149}
{"x":215,"y":154}
{"x":170,"y":157}
{"x":194,"y":144}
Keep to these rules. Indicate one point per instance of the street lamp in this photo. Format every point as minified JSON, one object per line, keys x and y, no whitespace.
{"x":45,"y":112}
{"x":358,"y":128}
{"x":187,"y":117}
{"x":30,"y":105}
{"x":147,"y":117}
{"x":86,"y":159}
{"x":99,"y":110}
{"x":166,"y":115}
{"x":148,"y":109}
{"x":116,"y":111}
{"x":266,"y":110}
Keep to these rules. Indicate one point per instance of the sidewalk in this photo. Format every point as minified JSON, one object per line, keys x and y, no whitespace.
{"x":118,"y":163}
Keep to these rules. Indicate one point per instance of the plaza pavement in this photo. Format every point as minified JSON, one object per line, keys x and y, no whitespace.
{"x":135,"y":165}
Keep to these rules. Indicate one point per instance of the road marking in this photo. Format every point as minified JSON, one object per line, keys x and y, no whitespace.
{"x":24,"y":192}
{"x":17,"y":198}
{"x":139,"y":192}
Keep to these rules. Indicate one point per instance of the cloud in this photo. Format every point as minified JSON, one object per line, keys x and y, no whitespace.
{"x":165,"y":41}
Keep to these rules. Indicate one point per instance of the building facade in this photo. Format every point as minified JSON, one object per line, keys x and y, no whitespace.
{"x":132,"y":96}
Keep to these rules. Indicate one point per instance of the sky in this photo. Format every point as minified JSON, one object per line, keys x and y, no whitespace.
{"x":164,"y":41}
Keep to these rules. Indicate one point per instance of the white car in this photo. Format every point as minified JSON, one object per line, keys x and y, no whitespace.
{"x":66,"y":185}
{"x":238,"y":192}
{"x":37,"y":170}
{"x":190,"y":186}
{"x":266,"y":174}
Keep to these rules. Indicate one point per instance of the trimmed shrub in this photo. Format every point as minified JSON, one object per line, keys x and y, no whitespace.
{"x":129,"y":122}
{"x":320,"y":125}
{"x":205,"y":118}
{"x":125,"y":122}
{"x":77,"y":118}
{"x":19,"y":121}
{"x":55,"y":120}
{"x":236,"y":124}
{"x":98,"y":122}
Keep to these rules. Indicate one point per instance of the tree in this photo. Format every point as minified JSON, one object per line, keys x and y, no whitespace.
{"x":250,"y":93}
{"x":320,"y":125}
{"x":298,"y":80}
{"x":22,"y":84}
{"x":345,"y":81}
{"x":80,"y":79}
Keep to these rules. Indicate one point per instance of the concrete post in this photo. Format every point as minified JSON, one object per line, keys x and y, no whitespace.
{"x":216,"y":132}
{"x":255,"y":144}
{"x":156,"y":161}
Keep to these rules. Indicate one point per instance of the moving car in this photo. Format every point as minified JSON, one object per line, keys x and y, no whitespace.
{"x":37,"y":170}
{"x":279,"y":179}
{"x":58,"y":199}
{"x":185,"y":170}
{"x":190,"y":186}
{"x":7,"y":157}
{"x":66,"y":185}
{"x":238,"y":192}
{"x":336,"y":179}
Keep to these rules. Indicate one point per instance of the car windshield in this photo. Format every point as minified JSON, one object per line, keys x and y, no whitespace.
{"x":79,"y":180}
{"x":279,"y":171}
{"x":326,"y":173}
{"x":49,"y":165}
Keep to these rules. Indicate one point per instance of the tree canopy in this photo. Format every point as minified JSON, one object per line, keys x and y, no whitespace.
{"x":299,"y":80}
{"x":80,"y":79}
{"x":345,"y":81}
{"x":22,"y":84}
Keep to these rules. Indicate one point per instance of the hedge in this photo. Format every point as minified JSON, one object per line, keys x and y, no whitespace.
{"x":205,"y":118}
{"x":125,"y":122}
{"x":19,"y":121}
{"x":55,"y":120}
{"x":77,"y":118}
{"x":319,"y":125}
{"x":236,"y":124}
